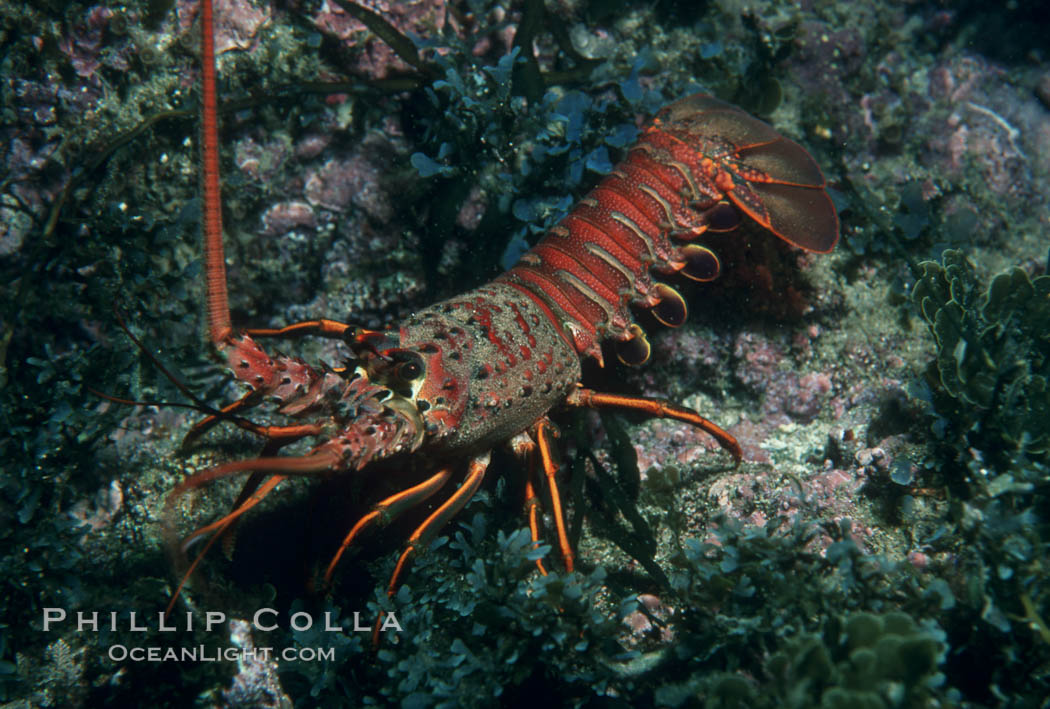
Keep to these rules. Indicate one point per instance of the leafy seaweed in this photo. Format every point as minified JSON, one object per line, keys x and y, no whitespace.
{"x":993,"y":355}
{"x":857,"y":660}
{"x":987,"y":392}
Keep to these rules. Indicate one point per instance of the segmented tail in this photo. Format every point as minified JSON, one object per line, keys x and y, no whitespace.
{"x":698,"y":165}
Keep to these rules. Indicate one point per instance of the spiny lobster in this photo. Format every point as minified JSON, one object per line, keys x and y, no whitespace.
{"x":486,"y":367}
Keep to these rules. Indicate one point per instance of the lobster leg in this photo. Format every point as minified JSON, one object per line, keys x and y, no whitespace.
{"x":246,"y":499}
{"x":219,"y":527}
{"x":229,"y":534}
{"x":250,"y":486}
{"x":532,"y":508}
{"x":525,"y":449}
{"x":535,"y":448}
{"x":307,"y":465}
{"x":388,"y":509}
{"x":657,"y":409}
{"x":544,"y":431}
{"x":438,"y":518}
{"x":250,"y":500}
{"x":281,"y":435}
{"x":322,"y":328}
{"x":276,"y":438}
{"x":279,"y":468}
{"x":205,"y":424}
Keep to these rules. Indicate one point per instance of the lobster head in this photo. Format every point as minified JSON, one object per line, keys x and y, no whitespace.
{"x":397,"y":397}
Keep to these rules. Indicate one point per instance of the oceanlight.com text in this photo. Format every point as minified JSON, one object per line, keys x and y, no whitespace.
{"x":202,"y":653}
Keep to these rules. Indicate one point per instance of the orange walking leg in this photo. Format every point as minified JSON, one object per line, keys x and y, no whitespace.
{"x":322,"y":327}
{"x":219,"y":527}
{"x":279,"y":468}
{"x":526,"y":450}
{"x":389,"y":509}
{"x":544,"y":431}
{"x":532,"y":508}
{"x":281,"y":435}
{"x":437,"y":519}
{"x":659,"y":409}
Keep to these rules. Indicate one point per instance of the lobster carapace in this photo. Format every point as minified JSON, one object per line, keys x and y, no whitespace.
{"x":485,"y":368}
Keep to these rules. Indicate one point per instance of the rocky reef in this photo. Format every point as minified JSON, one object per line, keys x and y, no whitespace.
{"x":884,"y":541}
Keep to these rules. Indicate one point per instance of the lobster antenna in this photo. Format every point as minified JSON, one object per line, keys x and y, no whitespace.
{"x":197,"y":403}
{"x":219,"y":323}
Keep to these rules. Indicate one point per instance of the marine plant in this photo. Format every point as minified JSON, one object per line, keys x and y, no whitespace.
{"x":760,"y":617}
{"x":987,"y":397}
{"x":989,"y":377}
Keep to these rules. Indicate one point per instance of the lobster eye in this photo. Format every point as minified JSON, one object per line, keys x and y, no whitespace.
{"x":409,"y":370}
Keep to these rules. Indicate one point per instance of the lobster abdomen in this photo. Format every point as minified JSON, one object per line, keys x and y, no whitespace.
{"x":699,"y":162}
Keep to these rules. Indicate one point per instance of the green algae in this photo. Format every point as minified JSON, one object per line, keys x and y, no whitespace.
{"x":993,"y":354}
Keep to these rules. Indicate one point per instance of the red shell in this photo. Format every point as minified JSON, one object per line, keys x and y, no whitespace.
{"x":698,"y":156}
